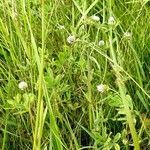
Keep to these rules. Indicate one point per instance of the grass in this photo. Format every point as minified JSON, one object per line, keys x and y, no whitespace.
{"x":63,"y":107}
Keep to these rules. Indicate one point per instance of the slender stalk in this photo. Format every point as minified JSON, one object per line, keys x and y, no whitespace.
{"x":39,"y":118}
{"x":121,"y":86}
{"x":89,"y":95}
{"x":122,"y":92}
{"x":128,"y":115}
{"x":5,"y":133}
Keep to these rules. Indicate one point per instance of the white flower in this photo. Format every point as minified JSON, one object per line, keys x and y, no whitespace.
{"x":127,"y":35}
{"x":111,"y":20}
{"x":95,"y":18}
{"x":60,"y":26}
{"x":22,"y":85}
{"x":102,"y":88}
{"x":71,"y":39}
{"x":101,"y":43}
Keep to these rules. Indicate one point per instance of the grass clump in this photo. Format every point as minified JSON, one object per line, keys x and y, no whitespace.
{"x":74,"y":75}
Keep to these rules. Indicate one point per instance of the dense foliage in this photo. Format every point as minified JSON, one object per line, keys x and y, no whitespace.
{"x":74,"y":74}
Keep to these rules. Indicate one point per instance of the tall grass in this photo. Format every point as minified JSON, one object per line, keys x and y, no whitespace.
{"x":80,"y":93}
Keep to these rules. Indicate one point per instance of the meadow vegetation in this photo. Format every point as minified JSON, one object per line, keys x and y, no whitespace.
{"x":74,"y":74}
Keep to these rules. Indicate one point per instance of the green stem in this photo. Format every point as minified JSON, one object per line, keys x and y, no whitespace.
{"x":89,"y":95}
{"x":128,"y":114}
{"x":39,"y":118}
{"x":122,"y":92}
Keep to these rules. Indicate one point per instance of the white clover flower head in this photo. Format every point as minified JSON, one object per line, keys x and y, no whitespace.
{"x":95,"y":18}
{"x":127,"y":35}
{"x":102,"y":88}
{"x":71,"y":39}
{"x":101,"y":43}
{"x":22,"y":85}
{"x":111,"y":20}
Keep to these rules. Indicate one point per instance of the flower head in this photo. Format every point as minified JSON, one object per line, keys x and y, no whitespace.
{"x":111,"y":20}
{"x":22,"y":85}
{"x":102,"y":88}
{"x":71,"y":39}
{"x":95,"y":18}
{"x":101,"y":43}
{"x":127,"y":35}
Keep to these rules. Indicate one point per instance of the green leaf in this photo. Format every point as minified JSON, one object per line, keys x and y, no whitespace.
{"x":129,"y":100}
{"x":115,"y":101}
{"x":117,"y":137}
{"x":117,"y":147}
